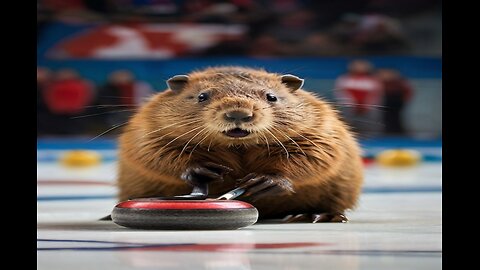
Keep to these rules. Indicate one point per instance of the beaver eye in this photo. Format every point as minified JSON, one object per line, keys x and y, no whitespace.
{"x":202,"y":97}
{"x":271,"y":97}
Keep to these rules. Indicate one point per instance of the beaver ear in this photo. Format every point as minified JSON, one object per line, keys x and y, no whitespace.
{"x":292,"y":82}
{"x":177,"y":82}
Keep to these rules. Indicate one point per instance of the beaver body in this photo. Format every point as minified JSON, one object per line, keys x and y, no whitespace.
{"x":257,"y":126}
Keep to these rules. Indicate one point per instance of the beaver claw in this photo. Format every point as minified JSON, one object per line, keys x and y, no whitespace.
{"x":261,"y":186}
{"x":205,"y":173}
{"x":316,"y":218}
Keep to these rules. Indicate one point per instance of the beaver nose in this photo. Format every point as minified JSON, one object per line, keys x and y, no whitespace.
{"x":238,"y":116}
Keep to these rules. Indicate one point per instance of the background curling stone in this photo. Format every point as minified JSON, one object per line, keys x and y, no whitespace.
{"x":151,"y":213}
{"x":399,"y":157}
{"x":80,"y":158}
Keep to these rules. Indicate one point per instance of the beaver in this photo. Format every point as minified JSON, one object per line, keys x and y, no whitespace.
{"x":237,"y":126}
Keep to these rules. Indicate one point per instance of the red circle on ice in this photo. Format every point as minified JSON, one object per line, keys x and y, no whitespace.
{"x":184,"y":204}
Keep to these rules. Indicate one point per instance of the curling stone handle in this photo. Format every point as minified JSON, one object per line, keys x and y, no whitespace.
{"x":232,"y":194}
{"x":200,"y":189}
{"x":199,"y":192}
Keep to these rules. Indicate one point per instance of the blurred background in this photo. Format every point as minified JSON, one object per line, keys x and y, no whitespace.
{"x":378,"y":61}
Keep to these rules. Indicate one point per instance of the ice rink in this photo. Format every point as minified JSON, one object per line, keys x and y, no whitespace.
{"x":398,"y":224}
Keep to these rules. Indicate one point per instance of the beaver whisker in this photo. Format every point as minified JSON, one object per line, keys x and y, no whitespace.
{"x":159,"y":139}
{"x":210,"y":144}
{"x":178,"y":137}
{"x":291,"y":107}
{"x":188,"y":142}
{"x":292,"y":118}
{"x":286,"y":107}
{"x":285,"y":135}
{"x":348,"y":105}
{"x":111,"y":105}
{"x":321,"y":149}
{"x":182,"y":123}
{"x":154,"y":140}
{"x":108,"y":130}
{"x":204,"y":138}
{"x":263,"y":108}
{"x":283,"y":122}
{"x":279,"y":142}
{"x":109,"y":112}
{"x":359,"y":104}
{"x":266,"y":141}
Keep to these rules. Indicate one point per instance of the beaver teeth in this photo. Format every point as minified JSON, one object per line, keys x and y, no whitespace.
{"x":237,"y":133}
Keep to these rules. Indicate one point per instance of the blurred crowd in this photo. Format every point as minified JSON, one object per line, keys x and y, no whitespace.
{"x":372,"y":101}
{"x":275,"y":27}
{"x":68,"y":104}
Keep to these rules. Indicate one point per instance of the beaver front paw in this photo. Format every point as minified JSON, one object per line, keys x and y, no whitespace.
{"x":205,"y":173}
{"x":260,"y":186}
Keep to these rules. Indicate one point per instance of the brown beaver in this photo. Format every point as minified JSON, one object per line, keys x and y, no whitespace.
{"x":233,"y":126}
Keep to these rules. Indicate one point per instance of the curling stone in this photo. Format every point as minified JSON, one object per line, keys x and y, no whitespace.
{"x":187,"y":212}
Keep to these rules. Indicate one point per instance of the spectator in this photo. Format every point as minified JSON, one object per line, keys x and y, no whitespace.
{"x":293,"y":26}
{"x":359,"y":92}
{"x":379,"y":34}
{"x":43,"y":79}
{"x":397,"y":92}
{"x":371,"y":34}
{"x":67,"y":97}
{"x":122,"y":94}
{"x":320,"y":44}
{"x":235,"y":45}
{"x":268,"y":46}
